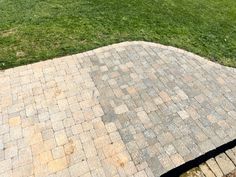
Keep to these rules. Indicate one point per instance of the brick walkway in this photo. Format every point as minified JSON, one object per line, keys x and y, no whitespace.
{"x":223,"y":164}
{"x":130,"y":109}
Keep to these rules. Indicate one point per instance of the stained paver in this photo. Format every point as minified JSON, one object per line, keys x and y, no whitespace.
{"x":129,"y":109}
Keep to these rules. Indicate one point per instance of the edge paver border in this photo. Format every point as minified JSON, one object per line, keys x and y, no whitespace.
{"x":199,"y":160}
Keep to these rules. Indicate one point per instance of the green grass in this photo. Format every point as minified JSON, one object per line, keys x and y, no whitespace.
{"x":34,"y":30}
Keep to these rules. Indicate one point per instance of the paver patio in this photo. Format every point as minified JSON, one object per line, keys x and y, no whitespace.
{"x":130,"y":109}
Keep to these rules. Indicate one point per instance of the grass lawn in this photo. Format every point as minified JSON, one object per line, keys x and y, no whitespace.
{"x":34,"y":30}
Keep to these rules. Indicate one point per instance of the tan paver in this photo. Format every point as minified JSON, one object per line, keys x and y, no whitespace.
{"x":225,"y":164}
{"x":206,"y":170}
{"x":212,"y":164}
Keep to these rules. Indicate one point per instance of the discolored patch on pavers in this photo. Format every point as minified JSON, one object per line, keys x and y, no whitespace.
{"x":134,"y":109}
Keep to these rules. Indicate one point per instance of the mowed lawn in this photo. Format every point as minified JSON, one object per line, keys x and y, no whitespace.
{"x":34,"y":30}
